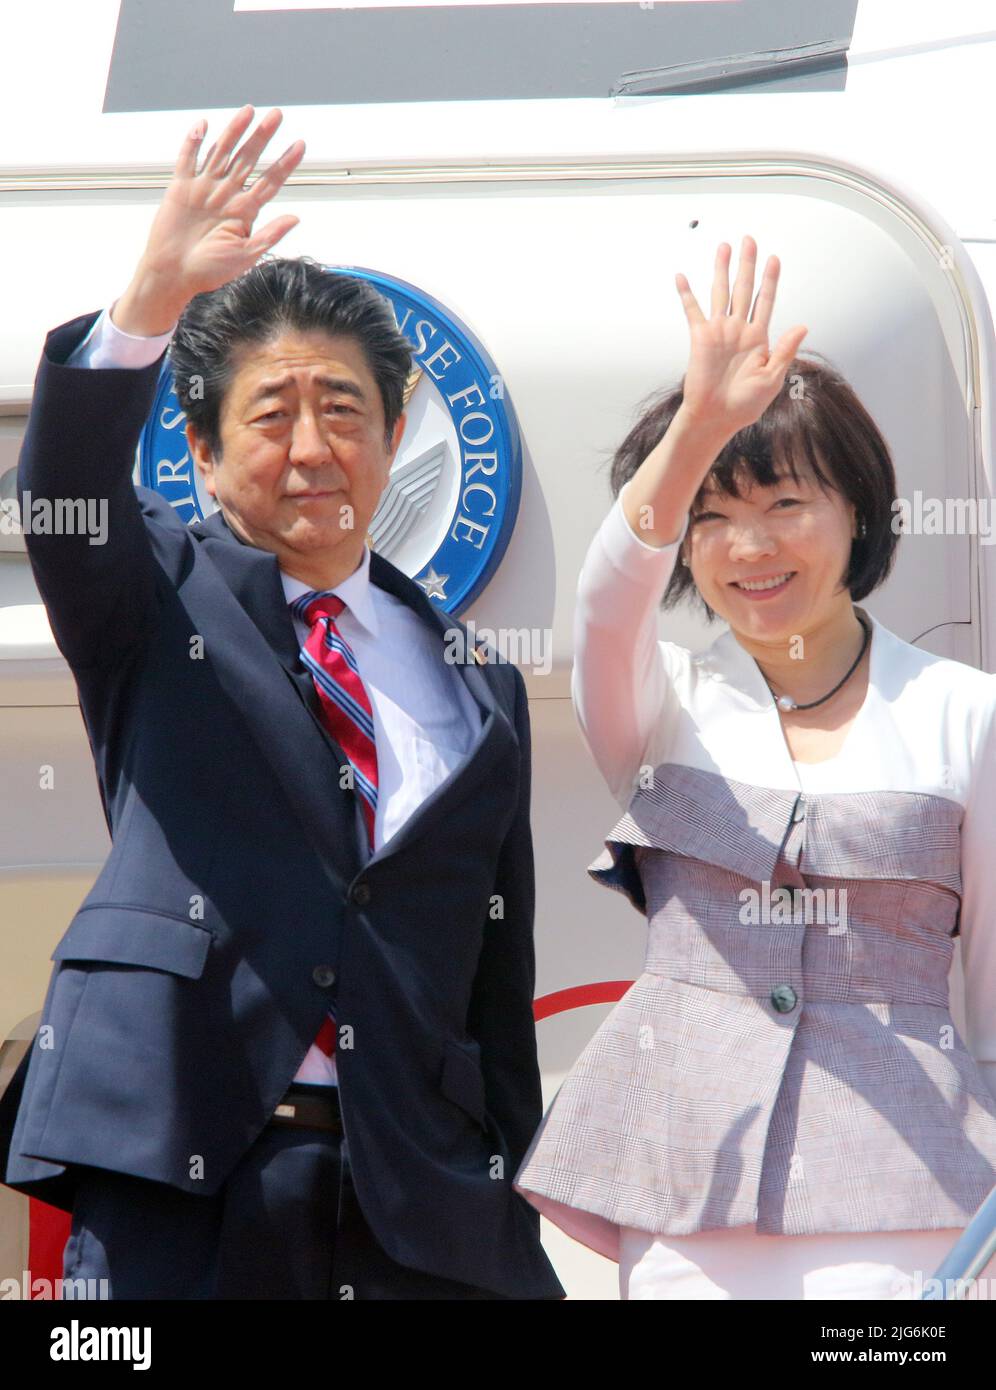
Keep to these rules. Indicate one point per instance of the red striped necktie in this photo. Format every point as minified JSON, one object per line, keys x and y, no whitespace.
{"x":346,"y":713}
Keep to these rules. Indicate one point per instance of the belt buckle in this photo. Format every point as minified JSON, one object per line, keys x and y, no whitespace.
{"x":318,"y":1108}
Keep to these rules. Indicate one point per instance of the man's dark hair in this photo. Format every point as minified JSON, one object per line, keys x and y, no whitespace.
{"x":817,"y":417}
{"x":277,"y":295}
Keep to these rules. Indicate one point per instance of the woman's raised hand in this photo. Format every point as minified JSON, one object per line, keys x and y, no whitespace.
{"x":732,"y":377}
{"x":202,"y":235}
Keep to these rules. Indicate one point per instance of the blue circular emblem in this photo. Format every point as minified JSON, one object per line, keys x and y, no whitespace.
{"x":450,"y":505}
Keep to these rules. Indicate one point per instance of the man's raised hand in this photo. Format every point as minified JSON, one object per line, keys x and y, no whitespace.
{"x":202,"y":235}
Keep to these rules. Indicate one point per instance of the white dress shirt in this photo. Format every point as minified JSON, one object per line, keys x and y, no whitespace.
{"x":425,"y":718}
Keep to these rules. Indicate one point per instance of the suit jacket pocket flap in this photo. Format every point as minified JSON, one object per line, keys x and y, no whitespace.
{"x":135,"y":936}
{"x":462,"y":1080}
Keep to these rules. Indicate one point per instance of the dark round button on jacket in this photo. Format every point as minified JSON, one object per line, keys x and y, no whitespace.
{"x":361,"y":894}
{"x":323,"y":975}
{"x":784,"y":998}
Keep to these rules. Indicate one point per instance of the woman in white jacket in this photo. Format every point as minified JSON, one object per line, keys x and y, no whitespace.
{"x":781,"y":1106}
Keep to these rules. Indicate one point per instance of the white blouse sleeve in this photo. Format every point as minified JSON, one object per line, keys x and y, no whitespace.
{"x":621,"y":684}
{"x":977,"y":921}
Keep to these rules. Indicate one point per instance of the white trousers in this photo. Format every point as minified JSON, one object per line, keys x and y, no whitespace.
{"x":740,"y":1263}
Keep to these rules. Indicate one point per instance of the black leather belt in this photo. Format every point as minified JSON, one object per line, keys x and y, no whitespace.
{"x":312,"y":1107}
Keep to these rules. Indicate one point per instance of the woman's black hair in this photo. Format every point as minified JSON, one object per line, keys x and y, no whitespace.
{"x":817,"y":417}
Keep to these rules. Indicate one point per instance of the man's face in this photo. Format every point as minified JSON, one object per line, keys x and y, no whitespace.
{"x":303,"y":458}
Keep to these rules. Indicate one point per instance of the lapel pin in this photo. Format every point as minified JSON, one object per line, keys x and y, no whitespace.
{"x":480,"y":656}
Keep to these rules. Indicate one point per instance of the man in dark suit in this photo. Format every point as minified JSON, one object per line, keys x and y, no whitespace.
{"x":287,"y":1049}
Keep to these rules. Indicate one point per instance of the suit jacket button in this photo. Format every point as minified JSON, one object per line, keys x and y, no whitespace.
{"x":361,"y":894}
{"x":800,"y":811}
{"x":323,"y":975}
{"x":784,"y":998}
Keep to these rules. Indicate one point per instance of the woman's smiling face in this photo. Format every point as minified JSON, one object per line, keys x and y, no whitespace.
{"x":795,"y":533}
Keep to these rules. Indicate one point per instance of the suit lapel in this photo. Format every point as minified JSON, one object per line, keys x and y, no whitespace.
{"x":494,"y":741}
{"x":253,"y":576}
